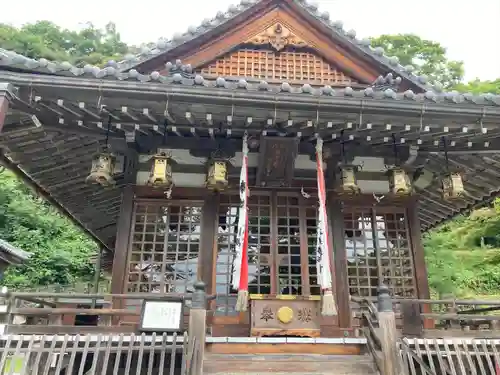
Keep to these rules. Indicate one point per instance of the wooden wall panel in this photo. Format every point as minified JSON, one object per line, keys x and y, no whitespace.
{"x":293,"y":66}
{"x":244,"y":32}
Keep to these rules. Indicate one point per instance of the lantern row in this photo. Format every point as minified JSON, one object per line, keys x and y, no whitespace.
{"x":346,"y":182}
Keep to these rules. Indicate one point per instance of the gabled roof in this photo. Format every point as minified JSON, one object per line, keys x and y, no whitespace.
{"x":347,"y":38}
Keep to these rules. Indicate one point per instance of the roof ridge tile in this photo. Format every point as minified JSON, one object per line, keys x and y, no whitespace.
{"x":337,"y":27}
{"x":163,"y":45}
{"x":179,"y":74}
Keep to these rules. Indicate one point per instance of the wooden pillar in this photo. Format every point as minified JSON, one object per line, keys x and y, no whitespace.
{"x":388,"y":333}
{"x":421,"y":277}
{"x":336,"y":220}
{"x":5,"y":98}
{"x":417,"y":247}
{"x":124,"y":224}
{"x":123,"y":231}
{"x":197,"y":329}
{"x":97,"y":275}
{"x":208,"y":253}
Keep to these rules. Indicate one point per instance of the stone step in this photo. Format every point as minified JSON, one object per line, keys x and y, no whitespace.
{"x":248,"y":364}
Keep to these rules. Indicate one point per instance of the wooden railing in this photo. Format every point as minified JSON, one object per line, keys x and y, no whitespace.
{"x":35,"y":328}
{"x":449,"y":317}
{"x":379,"y":327}
{"x":450,"y":356}
{"x":441,"y":318}
{"x":103,"y":286}
{"x":432,"y":337}
{"x":97,"y":354}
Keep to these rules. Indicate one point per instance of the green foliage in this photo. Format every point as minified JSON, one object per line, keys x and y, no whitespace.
{"x":44,"y":39}
{"x":480,"y":87}
{"x":459,"y":258}
{"x":426,"y":56}
{"x":463,"y":255}
{"x":60,"y":251}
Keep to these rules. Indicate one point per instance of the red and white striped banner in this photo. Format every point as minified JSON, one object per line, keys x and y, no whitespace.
{"x":240,"y":265}
{"x":323,"y":251}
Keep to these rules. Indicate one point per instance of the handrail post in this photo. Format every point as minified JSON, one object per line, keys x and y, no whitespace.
{"x":197,"y":326}
{"x":388,"y":339}
{"x":5,"y":306}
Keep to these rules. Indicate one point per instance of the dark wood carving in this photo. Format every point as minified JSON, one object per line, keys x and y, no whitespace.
{"x":276,"y":161}
{"x":281,"y":317}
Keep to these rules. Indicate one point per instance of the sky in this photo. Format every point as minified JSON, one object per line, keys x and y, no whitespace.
{"x":470,"y":30}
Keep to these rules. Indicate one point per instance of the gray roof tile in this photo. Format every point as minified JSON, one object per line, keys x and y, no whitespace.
{"x":337,"y":28}
{"x":178,"y":74}
{"x":14,"y":251}
{"x":125,"y":69}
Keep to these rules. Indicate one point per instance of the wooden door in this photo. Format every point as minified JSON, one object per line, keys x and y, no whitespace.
{"x":282,"y":245}
{"x":282,"y":261}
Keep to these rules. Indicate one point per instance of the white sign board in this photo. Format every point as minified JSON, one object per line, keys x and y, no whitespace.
{"x":162,"y":316}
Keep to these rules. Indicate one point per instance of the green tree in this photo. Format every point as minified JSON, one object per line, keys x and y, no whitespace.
{"x":480,"y":87}
{"x":60,"y":251}
{"x":426,"y":56}
{"x":44,"y":39}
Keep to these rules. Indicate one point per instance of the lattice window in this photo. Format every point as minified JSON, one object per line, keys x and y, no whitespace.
{"x":259,"y":249}
{"x":311,"y":214}
{"x":164,"y":247}
{"x":224,"y":267}
{"x":259,"y":244}
{"x":378,"y":251}
{"x":275,"y":263}
{"x":295,"y":66}
{"x":288,"y":257}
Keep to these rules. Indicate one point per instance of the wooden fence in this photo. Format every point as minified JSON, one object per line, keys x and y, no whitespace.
{"x":42,"y":345}
{"x":97,"y":354}
{"x":431,"y":337}
{"x":450,"y":356}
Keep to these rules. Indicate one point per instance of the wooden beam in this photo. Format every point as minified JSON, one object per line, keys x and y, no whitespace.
{"x":41,"y":191}
{"x":5,"y":98}
{"x":4,"y":107}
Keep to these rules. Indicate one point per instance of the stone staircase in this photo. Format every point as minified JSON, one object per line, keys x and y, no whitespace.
{"x":281,"y":364}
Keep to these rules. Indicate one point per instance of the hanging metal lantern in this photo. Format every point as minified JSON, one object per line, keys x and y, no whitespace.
{"x":101,"y":172}
{"x":453,"y":186}
{"x":399,"y":182}
{"x":346,"y":181}
{"x":161,"y":171}
{"x":452,"y":183}
{"x":217,"y":175}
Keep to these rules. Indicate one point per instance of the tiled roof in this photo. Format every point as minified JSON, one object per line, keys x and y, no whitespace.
{"x":119,"y":69}
{"x":14,"y":251}
{"x":346,"y":37}
{"x":182,"y":75}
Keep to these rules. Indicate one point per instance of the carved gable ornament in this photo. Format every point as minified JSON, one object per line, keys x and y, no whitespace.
{"x":278,"y":36}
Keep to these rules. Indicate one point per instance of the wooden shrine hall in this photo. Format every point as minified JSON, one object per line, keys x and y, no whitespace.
{"x":146,"y":156}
